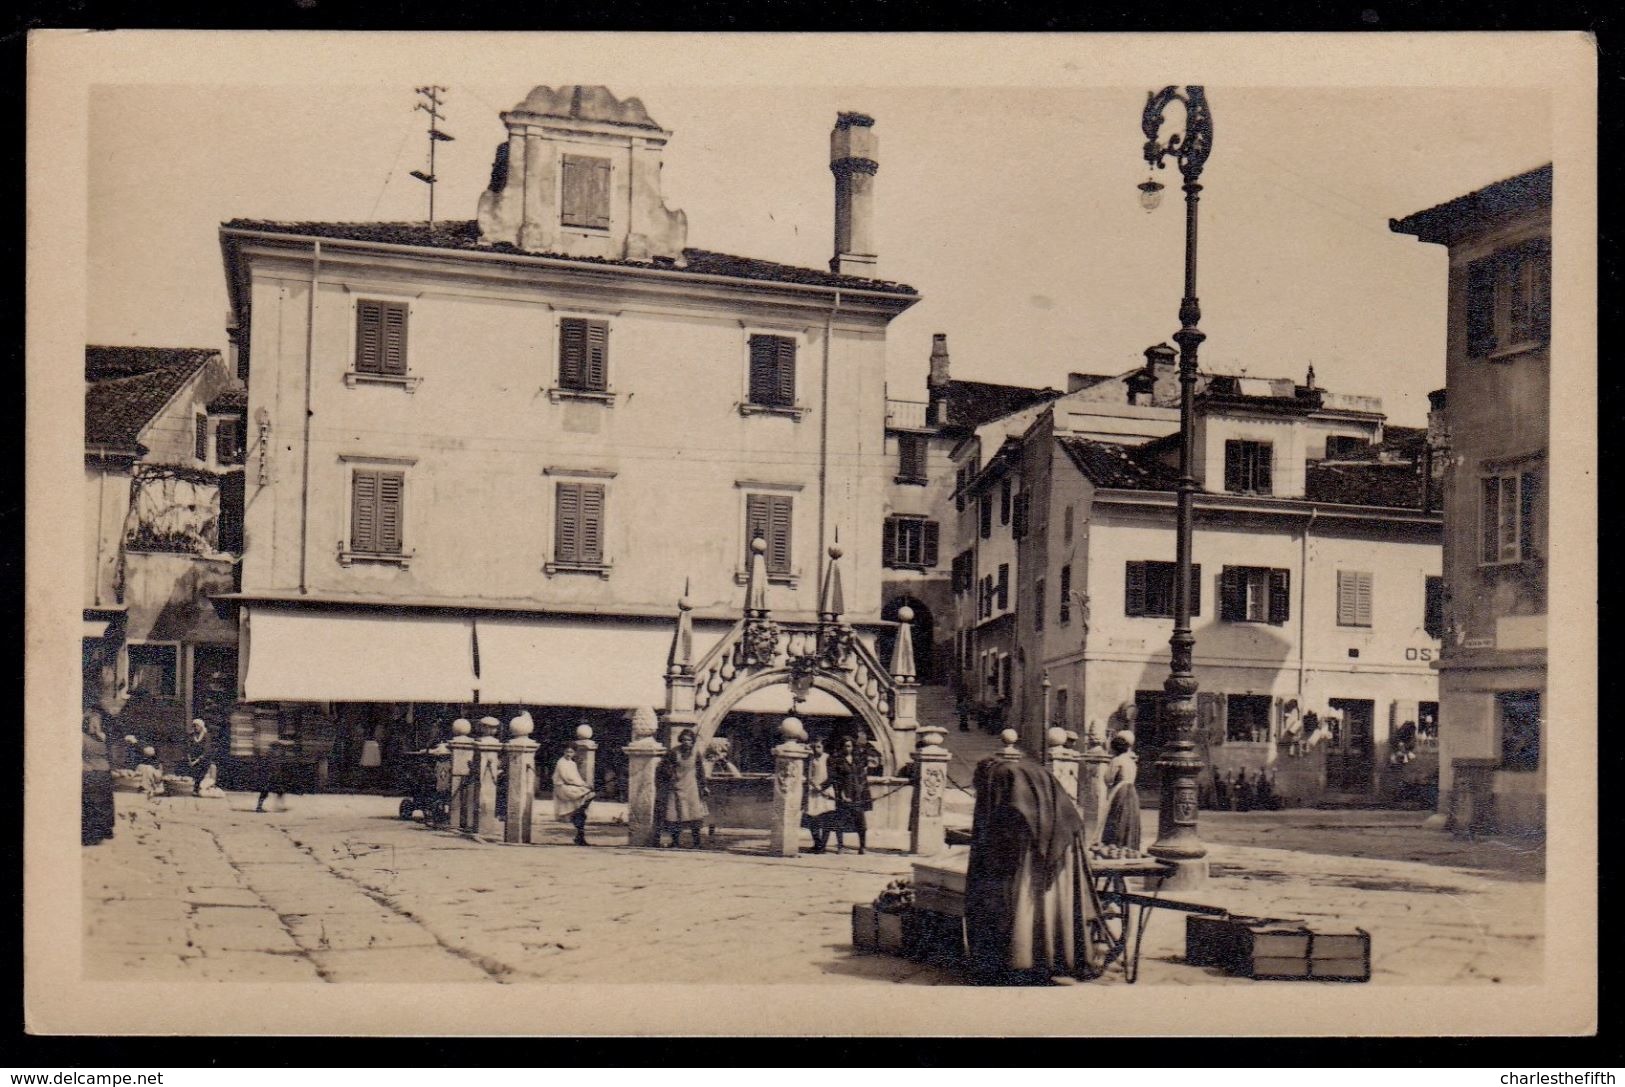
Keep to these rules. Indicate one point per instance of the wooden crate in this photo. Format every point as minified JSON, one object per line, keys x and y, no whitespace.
{"x":890,"y":931}
{"x":1248,"y":946}
{"x":865,"y":928}
{"x":1341,"y":956}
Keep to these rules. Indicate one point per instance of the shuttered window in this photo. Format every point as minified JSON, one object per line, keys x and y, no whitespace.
{"x":910,"y":542}
{"x":1509,"y":516}
{"x":583,"y":354}
{"x":578,"y":524}
{"x":1149,"y":589}
{"x":585,"y":192}
{"x":1021,"y":515}
{"x":1040,"y":602}
{"x":1433,"y":607}
{"x":1509,"y":299}
{"x":1066,"y":593}
{"x":1353,"y":598}
{"x":964,"y":571}
{"x":376,"y":511}
{"x":1005,"y":500}
{"x":1247,"y":467}
{"x":228,"y":443}
{"x":768,"y":516}
{"x":200,"y":438}
{"x":1004,"y":586}
{"x":984,"y":512}
{"x":1255,"y":594}
{"x":380,"y":337}
{"x":773,"y":371}
{"x":911,"y":451}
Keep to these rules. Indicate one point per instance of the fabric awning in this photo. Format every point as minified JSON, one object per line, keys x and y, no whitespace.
{"x":580,"y":661}
{"x":95,"y":628}
{"x":332,"y":655}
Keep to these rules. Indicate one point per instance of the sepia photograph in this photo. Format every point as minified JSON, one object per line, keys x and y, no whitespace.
{"x":715,"y":530}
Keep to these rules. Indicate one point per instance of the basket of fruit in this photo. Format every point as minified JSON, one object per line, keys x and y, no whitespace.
{"x":898,"y":897}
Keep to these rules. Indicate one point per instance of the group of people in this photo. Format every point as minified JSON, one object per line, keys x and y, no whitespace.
{"x":138,"y":764}
{"x":837,"y":796}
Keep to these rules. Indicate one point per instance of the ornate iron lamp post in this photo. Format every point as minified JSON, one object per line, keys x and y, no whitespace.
{"x":1177,"y":839}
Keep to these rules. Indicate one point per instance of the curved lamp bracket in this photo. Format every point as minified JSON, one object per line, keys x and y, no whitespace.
{"x":1188,"y":149}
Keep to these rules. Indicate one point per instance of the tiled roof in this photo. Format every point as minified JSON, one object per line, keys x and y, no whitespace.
{"x":465,"y":235}
{"x":1407,"y":440}
{"x":229,"y":401}
{"x":1109,"y":465}
{"x":1522,"y":192}
{"x":1395,"y":486}
{"x":972,"y":403}
{"x":126,"y":386}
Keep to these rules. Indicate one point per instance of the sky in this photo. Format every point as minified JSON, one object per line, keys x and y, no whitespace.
{"x":1013,"y":209}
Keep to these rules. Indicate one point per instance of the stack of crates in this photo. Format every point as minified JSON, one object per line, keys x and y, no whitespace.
{"x":1276,"y":949}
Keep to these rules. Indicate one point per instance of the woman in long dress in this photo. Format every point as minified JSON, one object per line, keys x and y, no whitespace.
{"x":96,"y":783}
{"x":849,"y":781}
{"x":1030,"y":904}
{"x":683,"y":781}
{"x":820,"y":805}
{"x":571,"y":794}
{"x":1122,"y":799}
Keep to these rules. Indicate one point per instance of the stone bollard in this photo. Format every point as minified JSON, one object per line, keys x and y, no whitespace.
{"x":520,"y":753}
{"x":643,"y":757}
{"x":1062,"y":761}
{"x":789,"y":780}
{"x":587,"y":756}
{"x":1092,"y":786}
{"x":463,"y":783}
{"x":1009,"y":752}
{"x":488,"y":766}
{"x":931,"y":783}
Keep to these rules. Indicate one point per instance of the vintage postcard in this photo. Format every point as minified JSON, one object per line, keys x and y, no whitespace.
{"x":832,"y":534}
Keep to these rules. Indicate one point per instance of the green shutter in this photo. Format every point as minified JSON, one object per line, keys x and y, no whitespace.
{"x":369,"y":333}
{"x":391,"y":500}
{"x":363,"y":510}
{"x":1134,"y":588}
{"x":567,"y":522}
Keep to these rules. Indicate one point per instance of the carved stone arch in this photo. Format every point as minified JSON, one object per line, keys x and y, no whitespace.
{"x":878,"y":724}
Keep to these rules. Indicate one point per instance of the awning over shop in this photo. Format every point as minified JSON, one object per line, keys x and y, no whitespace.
{"x":577,"y":661}
{"x":332,"y":655}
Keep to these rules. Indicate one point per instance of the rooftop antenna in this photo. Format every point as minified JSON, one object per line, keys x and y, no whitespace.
{"x":431,"y":105}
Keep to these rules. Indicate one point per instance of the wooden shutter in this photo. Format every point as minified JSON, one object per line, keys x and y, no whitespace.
{"x":364,"y":510}
{"x":369,"y":337}
{"x":1210,"y":715}
{"x":1066,"y":594}
{"x":572,"y":353}
{"x":1528,"y":505}
{"x":597,"y":355}
{"x":1040,"y":602}
{"x":1232,"y":595}
{"x":567,"y":522}
{"x":1263,"y":462}
{"x":1540,"y":300}
{"x":1362,"y":599}
{"x":928,"y":555}
{"x":1004,"y":502}
{"x":1280,"y":595}
{"x":200,"y":438}
{"x":764,"y":359}
{"x":1134,"y":588}
{"x":756,"y":518}
{"x":1004,"y":586}
{"x":785,"y":370}
{"x":598,"y":193}
{"x":1234,"y":479}
{"x":592,"y":523}
{"x":391,"y":501}
{"x":778,"y":538}
{"x":985,"y":512}
{"x":888,"y":545}
{"x":585,"y":191}
{"x":1481,"y":307}
{"x":1346,"y":605}
{"x":1196,"y":589}
{"x":227,"y":444}
{"x":1433,"y":606}
{"x":394,"y":336}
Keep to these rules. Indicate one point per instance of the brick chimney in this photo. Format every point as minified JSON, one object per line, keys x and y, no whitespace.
{"x":854,"y":159}
{"x":938,"y":381}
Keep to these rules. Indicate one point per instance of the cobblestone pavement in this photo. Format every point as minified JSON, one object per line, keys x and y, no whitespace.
{"x":339,"y":889}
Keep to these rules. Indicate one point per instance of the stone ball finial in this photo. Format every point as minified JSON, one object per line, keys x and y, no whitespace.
{"x":835,"y":551}
{"x":461,"y":727}
{"x":521,"y":726}
{"x":489,"y":726}
{"x":905,"y":614}
{"x":791,"y":728}
{"x":757,"y":544}
{"x":1010,"y":736}
{"x":1056,"y":736}
{"x":583,"y":732}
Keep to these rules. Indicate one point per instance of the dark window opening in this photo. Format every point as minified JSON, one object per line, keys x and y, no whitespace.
{"x":1247,"y":467}
{"x":773,"y":371}
{"x":1149,"y":589}
{"x":910,"y":542}
{"x":154,"y":670}
{"x":1247,"y":717}
{"x":1518,"y":713}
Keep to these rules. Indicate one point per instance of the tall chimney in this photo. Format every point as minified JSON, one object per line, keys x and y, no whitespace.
{"x":938,"y":381}
{"x":854,"y":160}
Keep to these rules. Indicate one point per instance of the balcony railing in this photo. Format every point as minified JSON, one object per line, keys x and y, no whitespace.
{"x":907,"y":413}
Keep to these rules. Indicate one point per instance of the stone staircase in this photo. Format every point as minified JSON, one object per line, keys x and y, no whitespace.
{"x":936,"y":706}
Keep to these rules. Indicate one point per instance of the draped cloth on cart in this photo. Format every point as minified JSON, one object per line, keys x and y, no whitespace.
{"x":1030,"y":904}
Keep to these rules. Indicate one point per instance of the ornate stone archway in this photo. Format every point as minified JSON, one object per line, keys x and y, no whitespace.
{"x":760,"y":652}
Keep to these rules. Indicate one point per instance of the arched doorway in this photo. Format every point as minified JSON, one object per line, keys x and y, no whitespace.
{"x":922,"y":629}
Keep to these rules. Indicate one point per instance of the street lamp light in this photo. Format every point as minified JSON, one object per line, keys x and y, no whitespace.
{"x":1177,"y":841}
